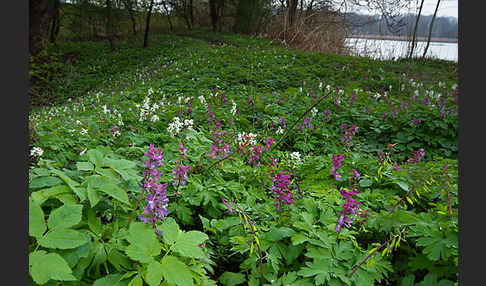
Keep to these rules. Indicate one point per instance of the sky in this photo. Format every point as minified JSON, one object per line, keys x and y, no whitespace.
{"x":447,"y":8}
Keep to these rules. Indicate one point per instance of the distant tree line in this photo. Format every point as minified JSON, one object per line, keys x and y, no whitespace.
{"x":444,"y":27}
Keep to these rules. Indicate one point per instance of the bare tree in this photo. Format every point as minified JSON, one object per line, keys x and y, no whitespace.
{"x":147,"y":24}
{"x":430,"y":28}
{"x":413,"y":44}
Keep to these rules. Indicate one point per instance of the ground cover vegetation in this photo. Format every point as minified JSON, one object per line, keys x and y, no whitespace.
{"x":221,"y":159}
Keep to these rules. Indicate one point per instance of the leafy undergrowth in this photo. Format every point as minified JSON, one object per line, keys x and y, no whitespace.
{"x":259,"y":149}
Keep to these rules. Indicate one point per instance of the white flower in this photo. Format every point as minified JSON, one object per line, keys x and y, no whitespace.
{"x":154,"y":118}
{"x":203,"y":100}
{"x":233,"y":109}
{"x":175,"y":126}
{"x":279,"y":130}
{"x":78,"y":122}
{"x":36,"y":152}
{"x":105,"y":109}
{"x":82,"y":152}
{"x":314,"y":112}
{"x":295,"y":158}
{"x":84,"y":131}
{"x":244,"y":138}
{"x":188,"y":123}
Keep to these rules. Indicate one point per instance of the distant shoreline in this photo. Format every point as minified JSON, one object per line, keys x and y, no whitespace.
{"x":402,"y":38}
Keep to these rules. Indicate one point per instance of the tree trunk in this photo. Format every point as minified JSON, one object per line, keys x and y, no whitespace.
{"x":128,"y":4}
{"x":55,"y":22}
{"x":430,"y":29}
{"x":415,"y":30}
{"x":40,"y":15}
{"x":147,"y":24}
{"x":109,"y":26}
{"x":191,"y":12}
{"x":292,"y":8}
{"x":213,"y":13}
{"x":171,"y":28}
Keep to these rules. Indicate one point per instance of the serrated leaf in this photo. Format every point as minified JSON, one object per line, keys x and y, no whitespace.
{"x":188,"y":244}
{"x":63,"y":239}
{"x":170,"y":231}
{"x":37,"y":223}
{"x":65,"y":217}
{"x":44,"y":266}
{"x":319,"y":269}
{"x":299,"y":238}
{"x":231,"y":278}
{"x":176,"y":272}
{"x":154,"y":273}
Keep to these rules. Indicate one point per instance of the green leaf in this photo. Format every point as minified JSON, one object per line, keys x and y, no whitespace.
{"x":63,"y":239}
{"x":73,"y":185}
{"x":154,"y":273}
{"x":44,"y":266}
{"x":299,"y":238}
{"x":144,"y":244}
{"x":110,"y":280}
{"x":95,"y":157}
{"x":403,"y":185}
{"x":170,"y":231}
{"x":319,"y":269}
{"x":276,"y":234}
{"x":94,"y":196}
{"x":85,"y":166}
{"x":116,"y":192}
{"x":408,"y":280}
{"x":43,"y":195}
{"x":37,"y":223}
{"x":43,"y":182}
{"x":65,"y":217}
{"x":176,"y":272}
{"x":365,"y":182}
{"x":94,"y":223}
{"x":188,"y":244}
{"x":429,"y":280}
{"x":137,"y":281}
{"x":231,"y":278}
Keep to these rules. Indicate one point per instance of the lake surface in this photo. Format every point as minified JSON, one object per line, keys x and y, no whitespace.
{"x":388,"y":49}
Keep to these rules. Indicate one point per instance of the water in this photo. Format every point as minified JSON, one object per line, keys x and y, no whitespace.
{"x":388,"y":49}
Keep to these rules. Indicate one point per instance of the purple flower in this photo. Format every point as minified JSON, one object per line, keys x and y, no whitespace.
{"x":367,"y":111}
{"x":327,"y":113}
{"x":426,"y":101}
{"x":352,"y":100}
{"x":416,"y":121}
{"x":283,"y":122}
{"x":307,"y":123}
{"x":157,"y":201}
{"x":348,"y":132}
{"x":350,"y":207}
{"x":417,"y":156}
{"x":255,"y":153}
{"x":268,"y":143}
{"x":182,"y":150}
{"x":336,"y":165}
{"x":282,"y":189}
{"x":227,"y":205}
{"x":336,"y":102}
{"x":356,"y":174}
{"x":180,"y":177}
